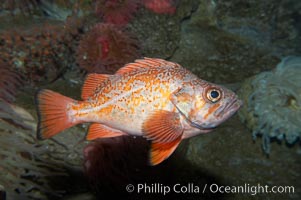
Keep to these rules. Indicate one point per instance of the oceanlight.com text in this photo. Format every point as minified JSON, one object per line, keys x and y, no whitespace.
{"x":251,"y":189}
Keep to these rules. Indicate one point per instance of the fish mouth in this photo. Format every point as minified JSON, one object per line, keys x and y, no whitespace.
{"x":225,"y":112}
{"x":230,"y":108}
{"x":234,"y":105}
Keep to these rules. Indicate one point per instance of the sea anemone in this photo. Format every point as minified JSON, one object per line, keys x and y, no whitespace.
{"x":161,"y":6}
{"x":116,"y":11}
{"x":112,"y":163}
{"x":273,"y":103}
{"x":106,"y":48}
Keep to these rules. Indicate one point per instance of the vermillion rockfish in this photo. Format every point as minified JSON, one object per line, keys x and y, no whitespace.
{"x":153,"y":98}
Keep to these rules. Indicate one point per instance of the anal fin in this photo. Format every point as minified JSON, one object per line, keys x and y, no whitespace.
{"x":97,"y":130}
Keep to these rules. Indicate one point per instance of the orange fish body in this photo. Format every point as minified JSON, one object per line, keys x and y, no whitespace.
{"x":153,"y":98}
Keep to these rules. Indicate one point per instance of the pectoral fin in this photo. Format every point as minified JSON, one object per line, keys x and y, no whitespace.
{"x":165,"y":130}
{"x":97,"y":130}
{"x":161,"y":151}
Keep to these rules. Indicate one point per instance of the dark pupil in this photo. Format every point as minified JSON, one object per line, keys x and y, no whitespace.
{"x":214,"y":94}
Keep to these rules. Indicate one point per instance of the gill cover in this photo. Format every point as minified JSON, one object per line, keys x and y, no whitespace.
{"x":184,"y":100}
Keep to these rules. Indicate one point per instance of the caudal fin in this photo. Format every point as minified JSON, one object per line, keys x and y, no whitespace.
{"x":52,"y":113}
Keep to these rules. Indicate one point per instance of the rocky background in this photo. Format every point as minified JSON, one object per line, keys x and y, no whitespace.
{"x":42,"y":45}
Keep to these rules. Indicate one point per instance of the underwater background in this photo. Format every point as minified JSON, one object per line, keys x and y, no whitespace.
{"x":252,"y":47}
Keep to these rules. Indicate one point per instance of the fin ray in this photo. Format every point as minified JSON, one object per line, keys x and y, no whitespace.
{"x":162,"y":126}
{"x":146,"y":63}
{"x":165,"y":130}
{"x":97,"y":130}
{"x":52,"y":113}
{"x":161,"y":151}
{"x":91,"y":83}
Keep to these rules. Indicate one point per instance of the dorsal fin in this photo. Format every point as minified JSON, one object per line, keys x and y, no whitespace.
{"x":146,"y":63}
{"x":91,"y":83}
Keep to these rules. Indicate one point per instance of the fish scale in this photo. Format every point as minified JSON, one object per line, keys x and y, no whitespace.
{"x":155,"y":96}
{"x":137,"y":100}
{"x":152,"y":98}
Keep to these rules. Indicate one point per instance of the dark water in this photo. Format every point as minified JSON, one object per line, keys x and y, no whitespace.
{"x":55,"y":44}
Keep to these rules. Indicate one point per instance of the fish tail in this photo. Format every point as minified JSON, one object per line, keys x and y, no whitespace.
{"x":53,"y":116}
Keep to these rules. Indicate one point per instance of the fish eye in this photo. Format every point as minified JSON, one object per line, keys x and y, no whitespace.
{"x":213,"y":95}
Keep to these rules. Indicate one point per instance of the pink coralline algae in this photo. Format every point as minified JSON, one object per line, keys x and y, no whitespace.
{"x":106,"y":48}
{"x":116,"y":11}
{"x":160,"y":6}
{"x":37,"y":53}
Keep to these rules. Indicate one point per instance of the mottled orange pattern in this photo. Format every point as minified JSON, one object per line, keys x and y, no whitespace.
{"x":153,"y":98}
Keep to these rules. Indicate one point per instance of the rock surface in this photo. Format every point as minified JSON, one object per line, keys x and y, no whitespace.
{"x":220,"y":41}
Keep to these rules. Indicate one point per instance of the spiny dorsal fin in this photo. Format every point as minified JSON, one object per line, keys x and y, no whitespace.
{"x":146,"y":63}
{"x":92,"y":82}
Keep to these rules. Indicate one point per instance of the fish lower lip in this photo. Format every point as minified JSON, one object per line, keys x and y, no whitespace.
{"x":231,"y":104}
{"x":235,"y":105}
{"x":194,"y":124}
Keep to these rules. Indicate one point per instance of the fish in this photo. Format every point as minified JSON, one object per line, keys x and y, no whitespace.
{"x":154,"y":98}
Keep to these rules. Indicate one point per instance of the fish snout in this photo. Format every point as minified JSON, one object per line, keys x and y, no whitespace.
{"x":229,"y":108}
